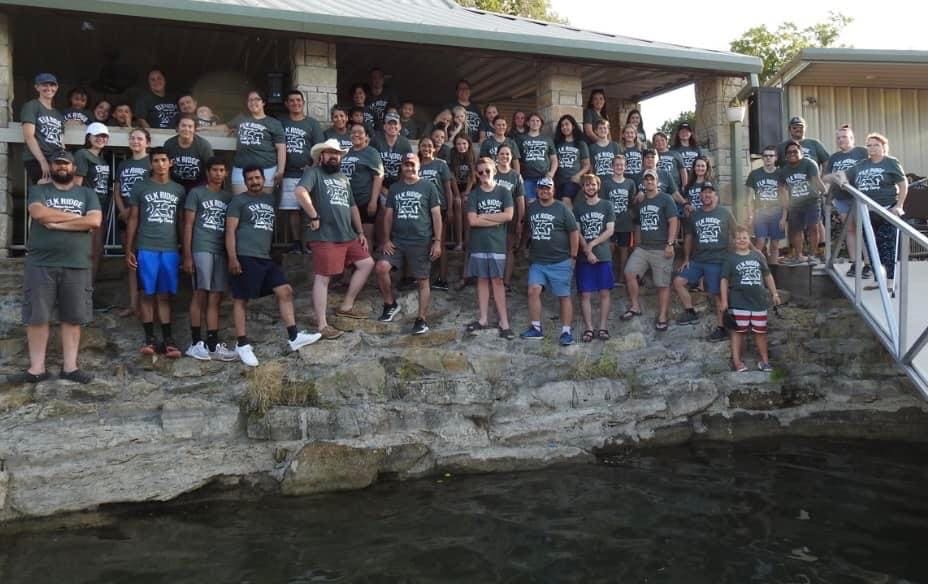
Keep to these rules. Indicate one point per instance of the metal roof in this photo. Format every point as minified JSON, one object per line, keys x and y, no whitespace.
{"x":842,"y":67}
{"x":434,"y":22}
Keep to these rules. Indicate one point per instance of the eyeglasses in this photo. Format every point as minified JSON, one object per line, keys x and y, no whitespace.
{"x":485,"y":171}
{"x":769,"y":155}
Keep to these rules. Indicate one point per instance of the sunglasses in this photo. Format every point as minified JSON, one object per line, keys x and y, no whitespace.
{"x":483,"y":172}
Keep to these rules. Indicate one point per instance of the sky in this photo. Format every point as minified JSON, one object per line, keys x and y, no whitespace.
{"x":713,"y":24}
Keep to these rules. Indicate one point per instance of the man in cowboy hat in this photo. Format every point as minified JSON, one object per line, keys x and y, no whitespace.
{"x":334,"y":232}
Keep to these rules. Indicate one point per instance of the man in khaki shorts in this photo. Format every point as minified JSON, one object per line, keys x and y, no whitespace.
{"x":657,"y":233}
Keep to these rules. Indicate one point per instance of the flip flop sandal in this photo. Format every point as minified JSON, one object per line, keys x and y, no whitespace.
{"x":602,"y":335}
{"x":474,"y":326}
{"x":739,"y":368}
{"x":660,"y":325}
{"x":587,"y":336}
{"x":630,"y":314}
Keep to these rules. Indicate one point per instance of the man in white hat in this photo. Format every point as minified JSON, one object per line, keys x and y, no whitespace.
{"x":334,"y":232}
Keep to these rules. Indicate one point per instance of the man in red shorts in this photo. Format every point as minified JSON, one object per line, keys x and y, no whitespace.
{"x":334,"y":233}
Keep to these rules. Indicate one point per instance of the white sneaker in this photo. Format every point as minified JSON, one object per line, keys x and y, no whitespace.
{"x":247,"y":354}
{"x":302,"y":339}
{"x":198,"y":351}
{"x":223,"y":353}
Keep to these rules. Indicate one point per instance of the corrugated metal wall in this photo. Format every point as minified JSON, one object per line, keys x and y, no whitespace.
{"x":900,"y":114}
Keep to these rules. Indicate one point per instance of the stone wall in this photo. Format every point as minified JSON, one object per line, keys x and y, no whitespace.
{"x":314,"y":72}
{"x":560,"y":92}
{"x":714,"y":131}
{"x":6,"y":100}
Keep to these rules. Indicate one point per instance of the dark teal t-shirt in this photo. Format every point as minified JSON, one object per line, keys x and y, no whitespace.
{"x":49,"y":128}
{"x":61,"y":249}
{"x":620,"y":194}
{"x":438,"y":173}
{"x":536,"y":151}
{"x":256,"y":140}
{"x":745,"y":275}
{"x":549,"y":231}
{"x":300,"y":136}
{"x":798,"y":181}
{"x":601,"y":158}
{"x":593,"y":220}
{"x":570,"y":157}
{"x":130,"y":172}
{"x":654,"y":220}
{"x":96,"y":172}
{"x":765,"y":186}
{"x":361,"y":166}
{"x":344,"y":139}
{"x":159,"y":207}
{"x":489,"y":239}
{"x":634,"y":161}
{"x":842,"y":161}
{"x":160,"y":112}
{"x":877,"y":180}
{"x":332,"y":198}
{"x":512,"y":180}
{"x":209,"y":226}
{"x":712,"y":234}
{"x":671,"y":162}
{"x":255,"y":233}
{"x":490,"y":147}
{"x":412,"y":206}
{"x":391,"y":156}
{"x":188,"y":165}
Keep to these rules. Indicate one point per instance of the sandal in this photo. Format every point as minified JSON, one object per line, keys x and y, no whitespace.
{"x":660,"y":325}
{"x":507,"y":334}
{"x":630,"y":314}
{"x":474,"y":326}
{"x":587,"y":336}
{"x":602,"y":335}
{"x":739,"y":368}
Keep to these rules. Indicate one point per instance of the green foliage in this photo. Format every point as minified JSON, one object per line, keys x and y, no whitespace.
{"x":778,"y":47}
{"x":535,"y":9}
{"x":586,"y":368}
{"x":670,"y":126}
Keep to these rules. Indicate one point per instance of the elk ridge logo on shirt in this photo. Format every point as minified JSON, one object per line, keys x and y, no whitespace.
{"x":542,"y":226}
{"x":650,"y":217}
{"x":408,"y":205}
{"x":262,"y":216}
{"x":693,"y":195}
{"x":619,"y":200}
{"x":130,"y":176}
{"x":489,"y":206}
{"x":431,"y":175}
{"x":160,"y":207}
{"x":591,"y":224}
{"x":798,"y":185}
{"x":505,"y":184}
{"x":165,"y":113}
{"x":186,"y":167}
{"x":473,"y":121}
{"x":603,"y":163}
{"x":66,"y":204}
{"x":349,"y":165}
{"x":632,"y":162}
{"x":296,"y":140}
{"x":101,"y":179}
{"x":391,"y":163}
{"x":337,"y":191}
{"x":50,"y":129}
{"x":535,"y":150}
{"x":749,"y":273}
{"x":250,"y":134}
{"x":870,"y":179}
{"x":567,"y":156}
{"x":213,"y":215}
{"x":689,"y":157}
{"x":665,"y":163}
{"x":766,"y":189}
{"x":709,"y":229}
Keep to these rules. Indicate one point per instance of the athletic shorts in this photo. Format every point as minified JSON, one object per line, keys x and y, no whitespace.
{"x":70,"y":290}
{"x":643,"y":259}
{"x":803,"y":217}
{"x":158,"y":271}
{"x":594,"y":277}
{"x":212,"y":271}
{"x":239,"y":179}
{"x":415,"y":256}
{"x":259,"y":277}
{"x":331,"y":258}
{"x":567,"y":190}
{"x":767,"y":224}
{"x":287,"y":196}
{"x":750,"y":321}
{"x":530,"y":186}
{"x":622,"y":238}
{"x":553,"y":277}
{"x":486,"y":265}
{"x":711,"y":275}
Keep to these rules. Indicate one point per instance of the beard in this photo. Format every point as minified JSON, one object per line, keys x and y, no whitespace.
{"x":63,"y":178}
{"x":331,"y":166}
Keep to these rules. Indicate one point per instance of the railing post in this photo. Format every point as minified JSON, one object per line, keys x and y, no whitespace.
{"x":902,"y":281}
{"x":892,"y":329}
{"x":858,"y":252}
{"x":828,"y":259}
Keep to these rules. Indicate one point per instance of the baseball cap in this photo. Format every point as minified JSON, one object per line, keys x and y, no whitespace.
{"x":545,"y":182}
{"x":685,"y":125}
{"x":96,"y":128}
{"x":797,"y":121}
{"x":707,"y":187}
{"x":62,"y":155}
{"x":45,"y":78}
{"x":391,"y":117}
{"x":649,"y":172}
{"x":410,"y":157}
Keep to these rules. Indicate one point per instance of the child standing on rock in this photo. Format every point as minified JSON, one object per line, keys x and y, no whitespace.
{"x":745,"y":271}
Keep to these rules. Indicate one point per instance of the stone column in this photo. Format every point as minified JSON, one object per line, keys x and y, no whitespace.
{"x":6,"y":99}
{"x":713,"y":131}
{"x":560,"y":92}
{"x":314,"y":73}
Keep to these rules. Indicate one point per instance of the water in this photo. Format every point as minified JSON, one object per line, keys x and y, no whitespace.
{"x":768,"y":512}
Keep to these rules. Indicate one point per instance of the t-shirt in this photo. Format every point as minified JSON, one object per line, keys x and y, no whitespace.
{"x":412,"y":206}
{"x":391,"y":156}
{"x":474,"y":117}
{"x":745,"y":275}
{"x":159,"y":112}
{"x":159,"y":206}
{"x":444,"y":152}
{"x":842,"y":161}
{"x":409,"y":129}
{"x":96,"y":172}
{"x":712,"y":234}
{"x":798,"y":180}
{"x":130,"y":172}
{"x":665,"y":182}
{"x":332,"y":199}
{"x":61,"y":249}
{"x":209,"y":227}
{"x":634,"y":161}
{"x":256,"y":140}
{"x":591,"y":116}
{"x":671,"y":162}
{"x":765,"y":188}
{"x":437,"y":172}
{"x":255,"y":231}
{"x":300,"y":136}
{"x":592,"y":220}
{"x":535,"y":152}
{"x":811,"y":149}
{"x":877,"y":180}
{"x":462,"y":174}
{"x":490,"y":147}
{"x":49,"y":128}
{"x":377,"y":104}
{"x":489,"y":239}
{"x":654,"y":220}
{"x":549,"y":232}
{"x":693,"y":192}
{"x":570,"y":157}
{"x":512,"y":180}
{"x":688,"y":154}
{"x":601,"y":158}
{"x":620,"y":194}
{"x":361,"y":166}
{"x":188,"y":165}
{"x":344,"y":138}
{"x":82,"y":116}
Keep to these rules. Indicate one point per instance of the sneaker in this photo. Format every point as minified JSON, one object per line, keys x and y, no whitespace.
{"x":353,"y":312}
{"x":247,"y":355}
{"x":420,"y":327}
{"x":566,"y":339}
{"x":532,"y":333}
{"x":867,"y":272}
{"x":149,"y":349}
{"x":198,"y":351}
{"x":688,"y":318}
{"x":302,"y":339}
{"x":440,"y":284}
{"x":76,"y":376}
{"x":330,"y":333}
{"x":389,"y":312}
{"x":765,"y":367}
{"x":719,"y":334}
{"x":171,"y":351}
{"x":223,"y":353}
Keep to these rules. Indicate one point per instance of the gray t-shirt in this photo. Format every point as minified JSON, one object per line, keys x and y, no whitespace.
{"x":49,"y":128}
{"x":512,"y":180}
{"x":798,"y":181}
{"x":474,"y":118}
{"x":344,"y":138}
{"x":255,"y":232}
{"x":159,"y":206}
{"x":188,"y":165}
{"x":877,"y":180}
{"x":332,"y":198}
{"x":361,"y":166}
{"x":549,"y":231}
{"x":842,"y":161}
{"x":570,"y":157}
{"x":130,"y":172}
{"x":765,"y":186}
{"x":489,"y":239}
{"x":438,"y":173}
{"x":634,"y":161}
{"x":391,"y":156}
{"x":688,"y":154}
{"x":812,"y":150}
{"x":671,"y":162}
{"x":665,"y":182}
{"x":536,"y":151}
{"x":82,"y":116}
{"x":96,"y":172}
{"x":159,"y":112}
{"x":712,"y":234}
{"x":300,"y":136}
{"x":592,"y":220}
{"x":256,"y":140}
{"x":601,"y":158}
{"x":620,"y":194}
{"x":412,"y":206}
{"x":745,"y":275}
{"x":209,"y":226}
{"x":490,"y":147}
{"x":61,"y":249}
{"x":654,"y":217}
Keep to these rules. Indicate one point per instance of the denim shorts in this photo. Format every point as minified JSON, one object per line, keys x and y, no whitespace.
{"x":711,"y":275}
{"x":554,"y":277}
{"x":767,"y":224}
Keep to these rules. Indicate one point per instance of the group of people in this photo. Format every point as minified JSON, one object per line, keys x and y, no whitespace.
{"x":589,"y":211}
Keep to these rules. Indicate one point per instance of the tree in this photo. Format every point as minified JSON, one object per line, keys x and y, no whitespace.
{"x":776,"y":48}
{"x":670,"y":126}
{"x":535,"y":9}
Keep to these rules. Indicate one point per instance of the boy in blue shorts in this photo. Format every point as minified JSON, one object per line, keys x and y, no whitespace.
{"x":596,"y":219}
{"x":151,"y":249}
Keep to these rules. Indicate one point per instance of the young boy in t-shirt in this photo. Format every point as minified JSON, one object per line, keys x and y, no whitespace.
{"x":596,"y":219}
{"x":410,"y":129}
{"x":745,"y":271}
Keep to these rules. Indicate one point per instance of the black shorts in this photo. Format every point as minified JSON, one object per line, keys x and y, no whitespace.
{"x":259,"y":277}
{"x":366,"y":218}
{"x":622,"y":238}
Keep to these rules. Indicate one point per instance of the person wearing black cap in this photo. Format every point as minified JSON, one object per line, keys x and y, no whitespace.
{"x":811,"y":148}
{"x":43,"y":129}
{"x":57,"y":272}
{"x":684,"y":144}
{"x":712,"y":232}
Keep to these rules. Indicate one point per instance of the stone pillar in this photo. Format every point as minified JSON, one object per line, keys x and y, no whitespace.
{"x":314,"y":73}
{"x":714,"y":132}
{"x":6,"y":99}
{"x":560,"y":92}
